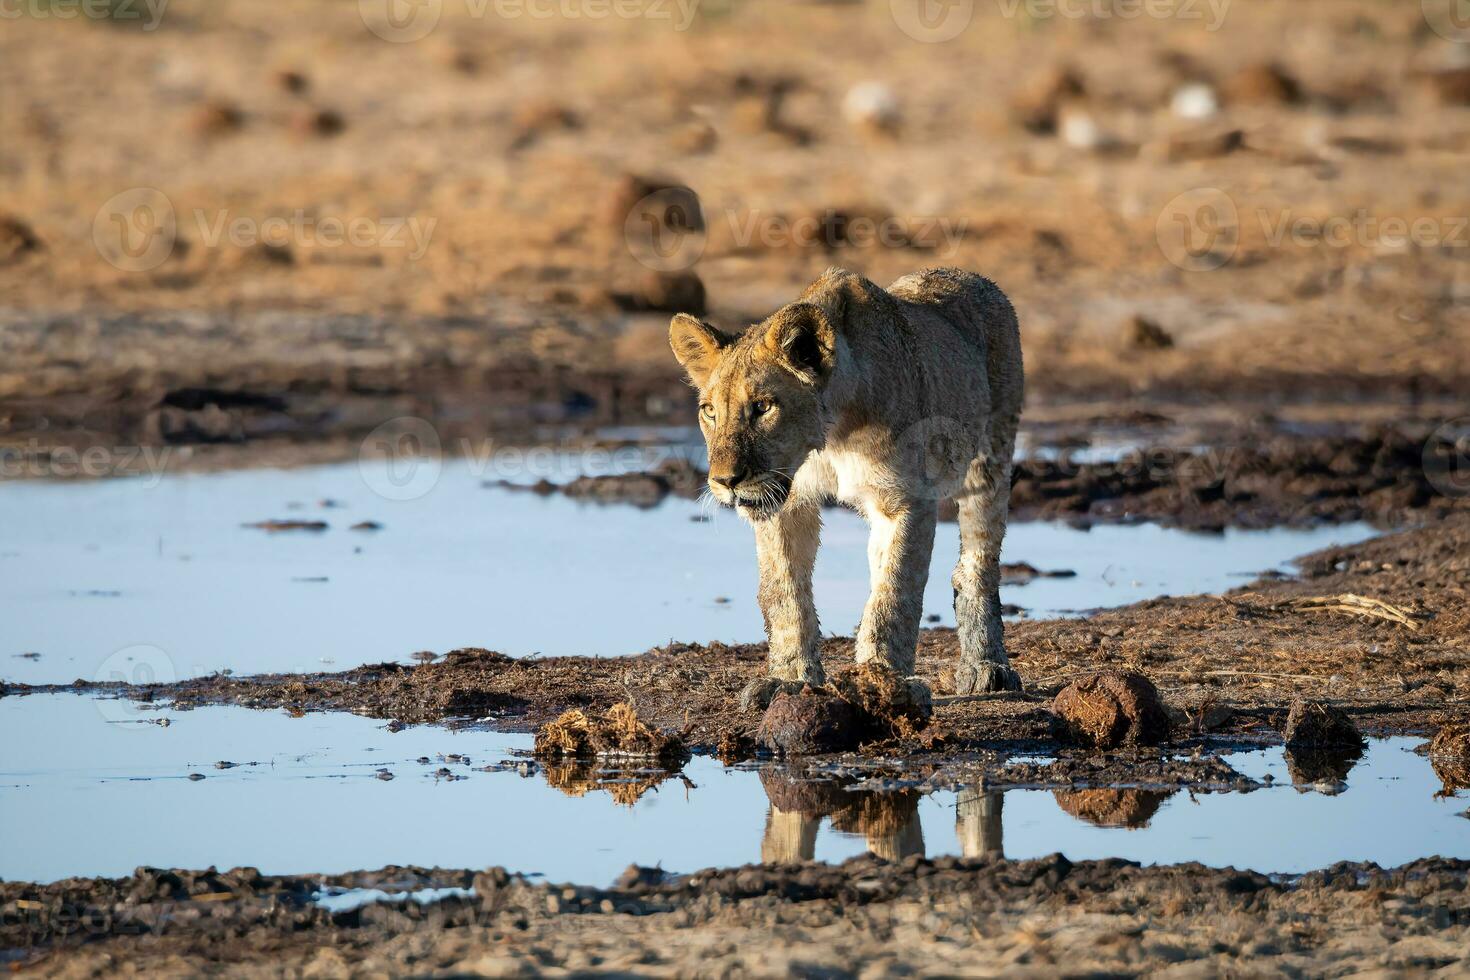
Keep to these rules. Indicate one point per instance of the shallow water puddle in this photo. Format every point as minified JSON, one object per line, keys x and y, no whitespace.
{"x":141,"y":580}
{"x":90,"y":788}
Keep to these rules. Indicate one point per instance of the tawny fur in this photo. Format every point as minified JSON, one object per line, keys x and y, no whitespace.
{"x":888,"y":401}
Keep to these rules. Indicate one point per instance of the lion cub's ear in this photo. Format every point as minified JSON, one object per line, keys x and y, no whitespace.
{"x":697,"y":345}
{"x":801,"y":339}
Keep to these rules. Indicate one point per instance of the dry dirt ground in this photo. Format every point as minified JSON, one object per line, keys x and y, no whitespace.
{"x":865,"y":918}
{"x":1037,"y":147}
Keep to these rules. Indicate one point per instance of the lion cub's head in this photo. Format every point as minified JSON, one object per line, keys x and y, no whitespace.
{"x":759,"y":400}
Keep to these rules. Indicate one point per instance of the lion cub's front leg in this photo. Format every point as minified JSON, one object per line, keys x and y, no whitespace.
{"x":786,"y":546}
{"x":899,"y":551}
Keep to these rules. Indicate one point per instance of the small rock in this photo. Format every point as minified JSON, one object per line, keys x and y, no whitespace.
{"x":1263,"y":84}
{"x":635,"y":875}
{"x":695,"y":138}
{"x":216,"y":118}
{"x":16,"y":239}
{"x":1451,"y":85}
{"x":810,"y":722}
{"x":275,"y":526}
{"x":310,"y":122}
{"x":665,"y":292}
{"x":1109,"y":709}
{"x":872,"y":107}
{"x":1038,"y":107}
{"x":1195,"y":101}
{"x":1319,"y":725}
{"x":1196,"y":145}
{"x":292,"y":81}
{"x":1141,"y":333}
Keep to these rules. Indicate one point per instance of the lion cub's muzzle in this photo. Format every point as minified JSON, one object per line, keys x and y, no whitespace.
{"x":754,"y":494}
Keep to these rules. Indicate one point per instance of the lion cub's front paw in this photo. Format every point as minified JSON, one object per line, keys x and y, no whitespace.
{"x":985,"y":677}
{"x":759,"y":693}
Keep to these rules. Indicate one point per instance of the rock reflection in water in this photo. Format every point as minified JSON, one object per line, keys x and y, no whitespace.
{"x":1128,"y":808}
{"x":1314,"y":766}
{"x":625,"y":785}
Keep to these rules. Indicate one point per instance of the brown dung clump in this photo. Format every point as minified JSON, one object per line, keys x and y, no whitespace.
{"x":1449,"y":753}
{"x":888,"y":706}
{"x":810,"y":722}
{"x":617,"y":733}
{"x":1313,"y":723}
{"x":1109,"y":709}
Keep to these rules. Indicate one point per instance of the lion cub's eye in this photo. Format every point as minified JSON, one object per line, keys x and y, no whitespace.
{"x":762,"y":406}
{"x":708,"y":411}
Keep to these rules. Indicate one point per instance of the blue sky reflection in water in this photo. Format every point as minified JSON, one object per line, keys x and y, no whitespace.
{"x":88,"y":787}
{"x":88,"y":569}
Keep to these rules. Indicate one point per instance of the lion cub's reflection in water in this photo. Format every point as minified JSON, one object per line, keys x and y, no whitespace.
{"x":889,"y":820}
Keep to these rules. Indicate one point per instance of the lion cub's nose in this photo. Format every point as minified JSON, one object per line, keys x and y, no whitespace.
{"x":731,"y":479}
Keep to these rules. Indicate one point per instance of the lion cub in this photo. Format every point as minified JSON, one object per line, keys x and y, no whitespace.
{"x":888,"y":401}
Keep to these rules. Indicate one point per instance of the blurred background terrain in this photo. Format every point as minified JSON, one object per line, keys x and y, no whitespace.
{"x":236,"y":223}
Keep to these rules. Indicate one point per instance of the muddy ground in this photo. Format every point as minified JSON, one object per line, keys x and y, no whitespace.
{"x":866,"y":917}
{"x":1230,"y":665}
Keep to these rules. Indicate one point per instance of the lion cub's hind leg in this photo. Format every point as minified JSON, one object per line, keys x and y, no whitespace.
{"x":983,"y":507}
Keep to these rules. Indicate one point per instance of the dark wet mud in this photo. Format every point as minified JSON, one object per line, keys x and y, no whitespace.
{"x":1266,"y":479}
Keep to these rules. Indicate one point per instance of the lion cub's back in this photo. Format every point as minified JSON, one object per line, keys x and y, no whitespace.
{"x":978,"y":311}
